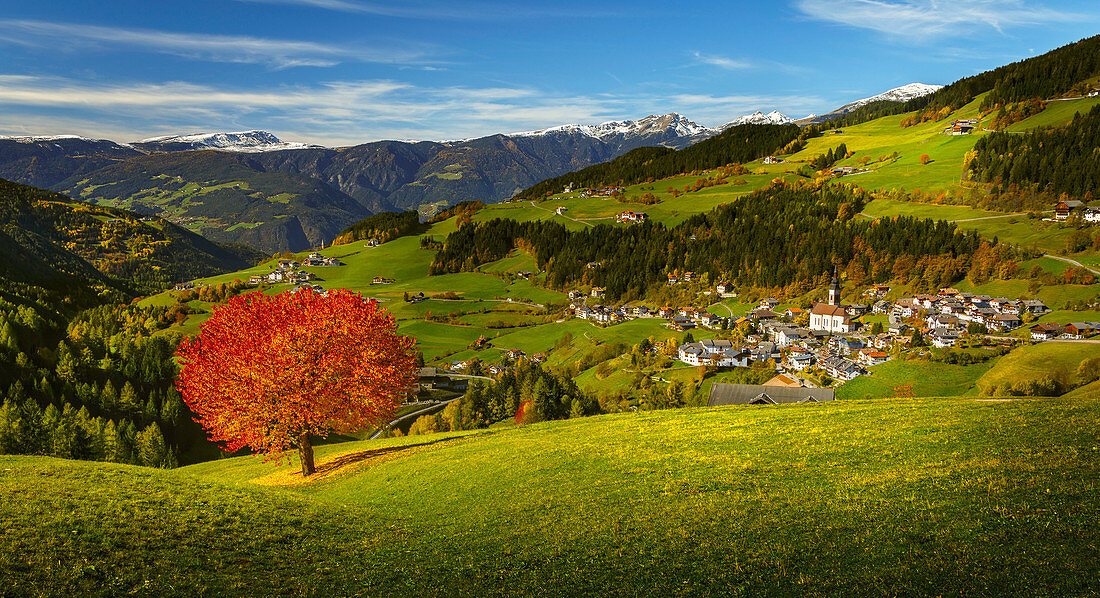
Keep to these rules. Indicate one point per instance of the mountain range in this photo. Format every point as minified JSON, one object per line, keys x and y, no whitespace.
{"x":252,"y":187}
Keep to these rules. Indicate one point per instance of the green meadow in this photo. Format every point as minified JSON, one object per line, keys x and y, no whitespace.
{"x":916,"y":497}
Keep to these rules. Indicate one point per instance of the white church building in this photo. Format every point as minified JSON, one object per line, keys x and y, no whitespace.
{"x":831,"y":316}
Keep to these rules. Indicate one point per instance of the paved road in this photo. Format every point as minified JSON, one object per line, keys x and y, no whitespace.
{"x":1074,"y":262}
{"x":390,"y":425}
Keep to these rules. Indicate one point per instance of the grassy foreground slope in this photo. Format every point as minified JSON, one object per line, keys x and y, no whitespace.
{"x":854,"y":498}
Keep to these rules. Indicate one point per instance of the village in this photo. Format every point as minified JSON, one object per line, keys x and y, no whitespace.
{"x":828,"y":339}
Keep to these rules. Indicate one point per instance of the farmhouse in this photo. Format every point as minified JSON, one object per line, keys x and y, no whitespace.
{"x":759,"y":394}
{"x":632,"y":217}
{"x":598,"y":291}
{"x":1063,"y":209}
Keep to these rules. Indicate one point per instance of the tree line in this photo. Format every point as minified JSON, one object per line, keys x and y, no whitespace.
{"x":1060,"y":160}
{"x":384,"y":227}
{"x":743,"y":143}
{"x":786,"y":235}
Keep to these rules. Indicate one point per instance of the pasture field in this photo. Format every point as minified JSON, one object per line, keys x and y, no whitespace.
{"x":1036,"y":362}
{"x":923,"y":378}
{"x":857,"y":498}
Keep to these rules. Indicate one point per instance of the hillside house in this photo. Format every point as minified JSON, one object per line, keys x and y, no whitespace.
{"x":373,"y":243}
{"x":773,"y":160}
{"x":632,"y":217}
{"x":1063,"y":209}
{"x":598,"y":292}
{"x":784,"y":381}
{"x":723,"y":287}
{"x":1046,"y":331}
{"x":560,"y":210}
{"x":960,"y":127}
{"x":382,"y":280}
{"x":1080,"y":330}
{"x":1034,"y":306}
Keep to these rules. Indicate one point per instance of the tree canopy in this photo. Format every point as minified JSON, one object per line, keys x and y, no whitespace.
{"x":267,"y":372}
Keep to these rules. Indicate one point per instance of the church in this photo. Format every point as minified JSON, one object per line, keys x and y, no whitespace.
{"x":831,"y":316}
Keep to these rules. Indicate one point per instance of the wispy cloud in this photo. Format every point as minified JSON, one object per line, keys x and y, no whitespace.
{"x":340,"y":112}
{"x":926,"y":19}
{"x":722,"y":62}
{"x":449,"y":11}
{"x":276,"y":53}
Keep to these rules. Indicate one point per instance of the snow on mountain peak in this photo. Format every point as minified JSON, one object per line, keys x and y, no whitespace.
{"x":898,"y":94}
{"x":240,"y":141}
{"x":671,"y":123}
{"x":774,"y":117}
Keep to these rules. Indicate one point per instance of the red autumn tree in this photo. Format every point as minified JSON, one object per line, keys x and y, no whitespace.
{"x":267,"y":372}
{"x":924,"y":159}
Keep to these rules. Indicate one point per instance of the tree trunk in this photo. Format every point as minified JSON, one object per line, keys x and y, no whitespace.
{"x":305,"y":453}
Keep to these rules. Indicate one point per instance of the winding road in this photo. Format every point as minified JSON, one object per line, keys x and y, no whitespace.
{"x":1069,"y":261}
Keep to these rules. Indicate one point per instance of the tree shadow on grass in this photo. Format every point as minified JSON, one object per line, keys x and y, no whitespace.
{"x":349,"y":463}
{"x":350,"y":459}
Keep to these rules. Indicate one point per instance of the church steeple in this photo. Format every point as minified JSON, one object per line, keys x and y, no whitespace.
{"x":834,"y":288}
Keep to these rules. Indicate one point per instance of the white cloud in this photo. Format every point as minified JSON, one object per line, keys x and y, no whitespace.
{"x":277,"y":53}
{"x":340,"y":112}
{"x":722,"y":62}
{"x":925,"y":19}
{"x":452,"y":11}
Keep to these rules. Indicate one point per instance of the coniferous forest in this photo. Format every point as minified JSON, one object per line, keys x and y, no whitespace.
{"x":743,"y":143}
{"x":788,"y":234}
{"x":1061,"y":160}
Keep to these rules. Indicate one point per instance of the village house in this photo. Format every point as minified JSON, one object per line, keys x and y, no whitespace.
{"x":597,"y":292}
{"x":1063,"y":209}
{"x":723,"y":287}
{"x":719,"y":353}
{"x":560,"y":210}
{"x":382,"y":280}
{"x":631,"y":217}
{"x":773,"y":160}
{"x":1046,"y":331}
{"x":515,"y":354}
{"x":800,"y":360}
{"x":869,"y":357}
{"x":1080,"y":330}
{"x":841,"y":368}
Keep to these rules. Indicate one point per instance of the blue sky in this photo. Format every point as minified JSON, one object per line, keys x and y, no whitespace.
{"x":339,"y":72}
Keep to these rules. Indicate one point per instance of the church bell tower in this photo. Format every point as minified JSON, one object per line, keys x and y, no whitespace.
{"x":834,"y":288}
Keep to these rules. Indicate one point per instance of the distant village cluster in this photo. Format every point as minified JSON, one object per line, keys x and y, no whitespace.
{"x":831,"y":337}
{"x":287,"y":270}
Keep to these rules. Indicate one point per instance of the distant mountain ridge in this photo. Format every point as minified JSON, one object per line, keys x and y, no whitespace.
{"x":241,"y":141}
{"x":252,"y":187}
{"x":900,"y":94}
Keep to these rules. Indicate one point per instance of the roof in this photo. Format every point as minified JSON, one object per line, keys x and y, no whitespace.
{"x":748,"y":394}
{"x":785,"y":381}
{"x":824,"y":309}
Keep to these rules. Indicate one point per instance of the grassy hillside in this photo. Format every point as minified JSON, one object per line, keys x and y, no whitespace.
{"x":1037,"y":362}
{"x":920,"y":496}
{"x":924,"y":379}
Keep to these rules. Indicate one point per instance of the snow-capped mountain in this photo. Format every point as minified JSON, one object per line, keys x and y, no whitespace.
{"x":672,"y":130}
{"x":774,"y":117}
{"x":242,"y":141}
{"x":897,"y":94}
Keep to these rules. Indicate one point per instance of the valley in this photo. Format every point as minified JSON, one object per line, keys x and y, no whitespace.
{"x":851,"y":354}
